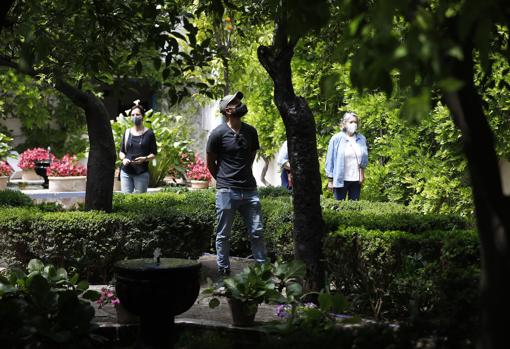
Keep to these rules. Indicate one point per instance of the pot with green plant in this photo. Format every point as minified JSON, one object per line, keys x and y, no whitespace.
{"x":244,"y":292}
{"x":45,"y":307}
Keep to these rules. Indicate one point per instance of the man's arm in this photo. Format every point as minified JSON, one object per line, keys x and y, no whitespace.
{"x":212,"y":163}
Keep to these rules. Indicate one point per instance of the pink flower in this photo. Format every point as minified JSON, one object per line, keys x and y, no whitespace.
{"x":107,"y":296}
{"x":5,"y":169}
{"x":66,"y":167}
{"x":198,"y":171}
{"x":28,"y":157}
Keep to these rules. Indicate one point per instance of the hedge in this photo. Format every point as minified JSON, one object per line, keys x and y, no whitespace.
{"x":396,"y":274}
{"x":93,"y":241}
{"x":376,"y":253}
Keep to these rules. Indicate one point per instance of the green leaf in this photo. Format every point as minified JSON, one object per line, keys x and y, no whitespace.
{"x":74,"y":279}
{"x":325,"y":301}
{"x":39,"y":288}
{"x":214,"y":302}
{"x":339,"y":303}
{"x":91,"y":295}
{"x":82,"y":285}
{"x":294,"y":289}
{"x":35,"y":265}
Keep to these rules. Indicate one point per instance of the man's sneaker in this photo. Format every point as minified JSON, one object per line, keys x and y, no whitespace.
{"x":224,"y":271}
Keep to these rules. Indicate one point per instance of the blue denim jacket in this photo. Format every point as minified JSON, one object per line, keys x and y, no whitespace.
{"x":335,"y":157}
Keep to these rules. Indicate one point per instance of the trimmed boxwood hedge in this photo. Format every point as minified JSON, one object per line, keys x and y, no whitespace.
{"x":376,"y":253}
{"x":396,"y":274}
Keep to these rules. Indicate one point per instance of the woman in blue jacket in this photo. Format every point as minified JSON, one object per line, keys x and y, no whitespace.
{"x":346,"y":160}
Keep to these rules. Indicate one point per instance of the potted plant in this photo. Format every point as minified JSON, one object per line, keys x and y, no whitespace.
{"x":107,"y":296}
{"x":244,"y":292}
{"x":67,"y":174}
{"x":199,"y":174}
{"x":5,"y":173}
{"x":27,"y":161}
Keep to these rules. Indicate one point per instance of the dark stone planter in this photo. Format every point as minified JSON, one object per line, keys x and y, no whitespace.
{"x":243,"y":314}
{"x":40,"y":168}
{"x":157,"y":293}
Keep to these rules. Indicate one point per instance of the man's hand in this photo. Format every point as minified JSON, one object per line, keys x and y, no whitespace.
{"x":126,"y":161}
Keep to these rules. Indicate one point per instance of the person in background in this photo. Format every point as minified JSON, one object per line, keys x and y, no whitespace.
{"x":346,"y":160}
{"x":138,"y":147}
{"x":284,"y":165}
{"x":231,"y":150}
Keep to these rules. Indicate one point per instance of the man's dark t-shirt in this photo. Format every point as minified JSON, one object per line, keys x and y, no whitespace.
{"x":137,"y":146}
{"x":235,"y":152}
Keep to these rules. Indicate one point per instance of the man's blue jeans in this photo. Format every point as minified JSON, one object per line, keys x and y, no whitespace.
{"x":228,"y":201}
{"x":136,"y":183}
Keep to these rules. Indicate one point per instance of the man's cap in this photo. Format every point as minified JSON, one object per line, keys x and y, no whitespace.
{"x":229,"y":98}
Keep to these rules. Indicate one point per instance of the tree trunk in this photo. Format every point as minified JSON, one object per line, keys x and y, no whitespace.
{"x":101,"y":161}
{"x":302,"y":145}
{"x":491,"y":205}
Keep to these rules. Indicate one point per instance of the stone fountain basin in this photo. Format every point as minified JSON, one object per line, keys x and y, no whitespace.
{"x":145,"y":288}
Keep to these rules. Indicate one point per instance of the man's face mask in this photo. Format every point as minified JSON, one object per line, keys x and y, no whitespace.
{"x":240,"y":111}
{"x":137,"y":120}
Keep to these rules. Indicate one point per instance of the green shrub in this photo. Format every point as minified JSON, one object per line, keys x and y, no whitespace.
{"x":93,"y":241}
{"x":266,"y":192}
{"x":395,"y":274}
{"x":14,"y":198}
{"x":385,"y":216}
{"x":390,"y":261}
{"x":42,"y":309}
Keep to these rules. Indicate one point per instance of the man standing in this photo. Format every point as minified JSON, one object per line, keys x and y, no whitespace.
{"x":231,"y":150}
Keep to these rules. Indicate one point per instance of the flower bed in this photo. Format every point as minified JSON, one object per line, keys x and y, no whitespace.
{"x":198,"y":170}
{"x":68,"y":166}
{"x":28,"y":158}
{"x":5,"y":169}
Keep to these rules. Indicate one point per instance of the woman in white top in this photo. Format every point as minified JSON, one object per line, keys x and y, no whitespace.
{"x":346,"y":159}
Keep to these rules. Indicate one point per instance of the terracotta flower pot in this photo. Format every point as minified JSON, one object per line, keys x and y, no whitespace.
{"x":66,"y":184}
{"x":199,"y":184}
{"x":28,"y":174}
{"x":243,"y":314}
{"x":3,"y":182}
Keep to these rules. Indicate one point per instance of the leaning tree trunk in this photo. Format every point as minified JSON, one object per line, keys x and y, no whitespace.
{"x":491,"y":205}
{"x":302,"y":145}
{"x":101,"y":161}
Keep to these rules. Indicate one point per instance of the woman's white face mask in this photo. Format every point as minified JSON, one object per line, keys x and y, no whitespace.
{"x":351,"y":127}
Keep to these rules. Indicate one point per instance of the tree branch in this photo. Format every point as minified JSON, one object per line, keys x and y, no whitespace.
{"x":77,"y":96}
